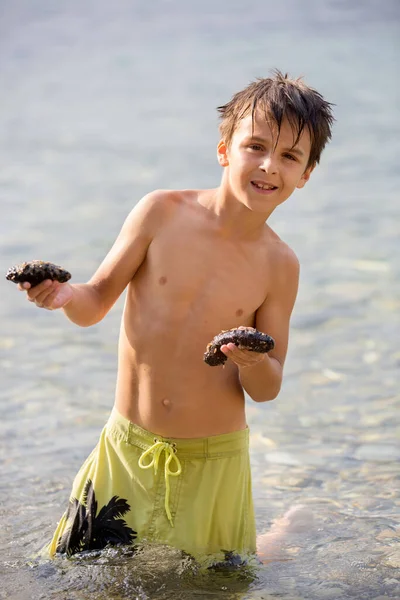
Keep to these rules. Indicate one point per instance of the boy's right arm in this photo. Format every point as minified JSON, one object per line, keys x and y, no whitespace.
{"x":86,"y":304}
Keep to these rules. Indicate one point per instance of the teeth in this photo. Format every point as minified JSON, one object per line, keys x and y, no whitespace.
{"x":264,"y":186}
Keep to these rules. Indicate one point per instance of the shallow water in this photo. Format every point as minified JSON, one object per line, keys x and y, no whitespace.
{"x":102,"y":102}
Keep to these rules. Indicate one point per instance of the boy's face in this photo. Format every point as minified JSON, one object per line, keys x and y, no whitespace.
{"x":263,"y":171}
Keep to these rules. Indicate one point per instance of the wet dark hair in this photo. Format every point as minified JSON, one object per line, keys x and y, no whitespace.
{"x":281,"y":97}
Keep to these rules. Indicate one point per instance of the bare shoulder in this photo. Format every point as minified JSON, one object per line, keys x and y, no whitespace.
{"x":154,"y":209}
{"x":159,"y":202}
{"x":164,"y":198}
{"x":141,"y":226}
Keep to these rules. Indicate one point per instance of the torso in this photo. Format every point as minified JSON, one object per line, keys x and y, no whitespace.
{"x":192,"y":284}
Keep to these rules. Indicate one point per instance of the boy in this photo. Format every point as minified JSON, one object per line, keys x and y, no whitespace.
{"x":172,"y":463}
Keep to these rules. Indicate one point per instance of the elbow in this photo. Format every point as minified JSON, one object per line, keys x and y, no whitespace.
{"x":86,"y":324}
{"x":84,"y":321}
{"x":268,"y":394}
{"x":265,"y":398}
{"x":93,"y":320}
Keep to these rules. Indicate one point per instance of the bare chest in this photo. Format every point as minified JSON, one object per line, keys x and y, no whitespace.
{"x":205,"y":277}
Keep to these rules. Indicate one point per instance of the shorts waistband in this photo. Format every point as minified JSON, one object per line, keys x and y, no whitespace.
{"x":215,"y":446}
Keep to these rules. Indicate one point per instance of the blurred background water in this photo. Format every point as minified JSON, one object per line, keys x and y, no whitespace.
{"x":101,"y":102}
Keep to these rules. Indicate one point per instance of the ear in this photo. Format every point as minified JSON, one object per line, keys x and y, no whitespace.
{"x":306,"y":176}
{"x":222,"y":153}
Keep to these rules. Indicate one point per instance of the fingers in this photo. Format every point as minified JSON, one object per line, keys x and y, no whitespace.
{"x":240,"y":356}
{"x":42,"y":297}
{"x":33,"y":292}
{"x":38,"y":293}
{"x":233,"y":352}
{"x":49,"y":301}
{"x":42,"y":294}
{"x":47,"y":294}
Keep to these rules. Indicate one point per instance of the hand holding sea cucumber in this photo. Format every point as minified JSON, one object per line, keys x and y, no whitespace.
{"x":244,"y":340}
{"x":45,"y":283}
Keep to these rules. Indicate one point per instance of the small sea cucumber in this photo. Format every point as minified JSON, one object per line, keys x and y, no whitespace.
{"x":244,"y":337}
{"x":36,"y":271}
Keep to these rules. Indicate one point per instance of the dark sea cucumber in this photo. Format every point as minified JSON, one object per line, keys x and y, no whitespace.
{"x":36,"y":271}
{"x":244,"y":337}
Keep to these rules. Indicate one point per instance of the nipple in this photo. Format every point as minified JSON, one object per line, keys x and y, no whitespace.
{"x":167,"y":403}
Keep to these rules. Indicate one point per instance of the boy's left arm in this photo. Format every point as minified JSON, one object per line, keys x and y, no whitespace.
{"x":261,"y":374}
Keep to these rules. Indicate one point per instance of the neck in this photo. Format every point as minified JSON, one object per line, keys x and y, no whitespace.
{"x":232,"y":217}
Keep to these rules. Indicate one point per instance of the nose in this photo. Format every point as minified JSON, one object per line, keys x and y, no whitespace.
{"x":269,"y":165}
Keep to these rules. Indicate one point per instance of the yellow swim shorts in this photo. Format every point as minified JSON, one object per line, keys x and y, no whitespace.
{"x":192,"y":494}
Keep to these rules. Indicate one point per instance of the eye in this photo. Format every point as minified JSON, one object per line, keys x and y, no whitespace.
{"x":289,"y":156}
{"x":256,"y":147}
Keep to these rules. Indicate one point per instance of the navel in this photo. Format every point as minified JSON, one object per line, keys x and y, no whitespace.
{"x":239,"y":312}
{"x":165,"y":402}
{"x":162,"y":280}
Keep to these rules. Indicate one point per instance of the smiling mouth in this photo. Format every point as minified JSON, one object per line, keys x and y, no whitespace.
{"x":263,"y":187}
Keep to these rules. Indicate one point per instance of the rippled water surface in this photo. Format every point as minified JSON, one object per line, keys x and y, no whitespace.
{"x":102,"y":102}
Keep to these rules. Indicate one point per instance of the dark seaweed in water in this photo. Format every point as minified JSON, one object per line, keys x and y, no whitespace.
{"x":36,"y":271}
{"x":244,"y":337}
